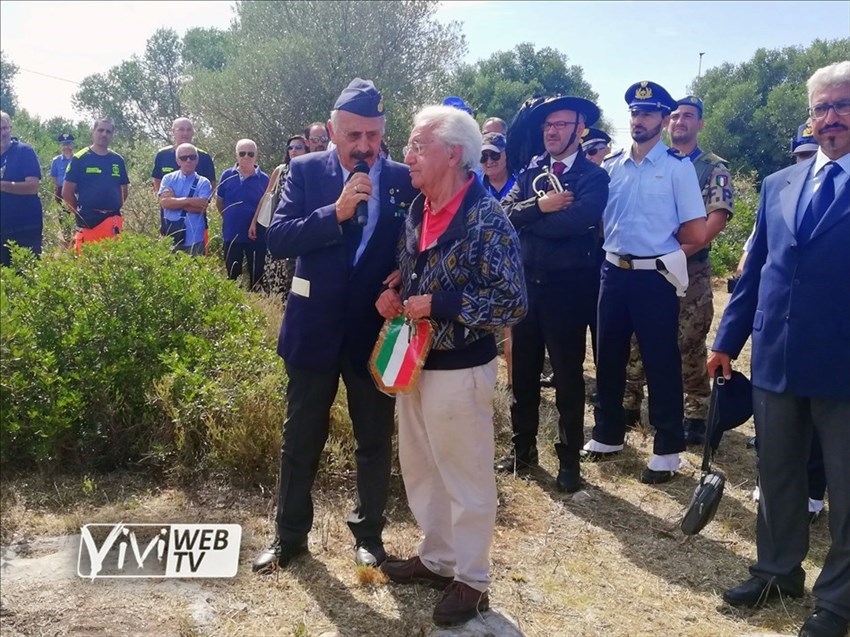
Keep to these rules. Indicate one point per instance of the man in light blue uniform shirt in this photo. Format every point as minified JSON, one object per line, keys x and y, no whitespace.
{"x":654,"y":206}
{"x":184,"y":196}
{"x":60,"y":163}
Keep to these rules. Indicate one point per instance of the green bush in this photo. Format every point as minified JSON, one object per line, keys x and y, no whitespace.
{"x":132,"y":354}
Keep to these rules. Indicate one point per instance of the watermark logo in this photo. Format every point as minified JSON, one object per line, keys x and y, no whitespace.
{"x":158,"y":550}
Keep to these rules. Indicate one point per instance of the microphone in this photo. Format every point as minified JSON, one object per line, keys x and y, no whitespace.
{"x":361,"y":213}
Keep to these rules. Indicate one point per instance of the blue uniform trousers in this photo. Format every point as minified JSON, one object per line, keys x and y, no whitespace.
{"x":644,"y":303}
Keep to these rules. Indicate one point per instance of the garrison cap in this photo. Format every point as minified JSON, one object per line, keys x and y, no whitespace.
{"x":594,"y":137}
{"x":649,"y":96}
{"x":65,"y":138}
{"x":361,"y":98}
{"x":565,"y":103}
{"x":804,"y":141}
{"x":692,"y":100}
{"x":458,"y":103}
{"x":734,"y":404}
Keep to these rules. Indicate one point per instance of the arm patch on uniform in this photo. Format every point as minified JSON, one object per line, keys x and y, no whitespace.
{"x":722,"y":180}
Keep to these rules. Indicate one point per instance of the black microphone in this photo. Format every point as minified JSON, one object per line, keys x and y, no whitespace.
{"x":361,"y":212}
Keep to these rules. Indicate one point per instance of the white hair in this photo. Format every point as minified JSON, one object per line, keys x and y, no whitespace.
{"x":453,"y":127}
{"x":185,"y":146}
{"x":827,"y":77}
{"x":5,"y":115}
{"x":335,"y":122}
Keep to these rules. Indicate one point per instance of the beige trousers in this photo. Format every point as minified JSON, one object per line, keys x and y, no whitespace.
{"x":446,"y":449}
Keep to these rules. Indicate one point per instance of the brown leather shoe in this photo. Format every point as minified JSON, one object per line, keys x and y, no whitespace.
{"x":460,"y":603}
{"x":413,"y":571}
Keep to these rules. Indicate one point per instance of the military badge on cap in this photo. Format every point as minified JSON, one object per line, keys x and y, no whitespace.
{"x":692,"y":100}
{"x":649,"y":96}
{"x":804,"y":141}
{"x":65,"y":138}
{"x":361,"y":98}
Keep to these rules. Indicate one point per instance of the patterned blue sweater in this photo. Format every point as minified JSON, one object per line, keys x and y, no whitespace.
{"x":474,"y":274}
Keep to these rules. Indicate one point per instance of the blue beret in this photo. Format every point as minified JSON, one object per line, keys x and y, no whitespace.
{"x":804,"y":141}
{"x":458,"y":103}
{"x":692,"y":100}
{"x":361,"y":98}
{"x":65,"y":138}
{"x":733,"y":406}
{"x":649,"y":96}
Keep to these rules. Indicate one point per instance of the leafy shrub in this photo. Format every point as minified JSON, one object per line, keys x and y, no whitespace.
{"x":132,"y":354}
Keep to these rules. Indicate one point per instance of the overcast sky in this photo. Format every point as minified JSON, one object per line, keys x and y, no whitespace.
{"x":616,"y":43}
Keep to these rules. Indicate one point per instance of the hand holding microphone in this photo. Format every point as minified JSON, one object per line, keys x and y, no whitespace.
{"x":353,"y":201}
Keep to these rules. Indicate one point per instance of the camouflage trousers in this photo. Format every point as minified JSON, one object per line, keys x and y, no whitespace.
{"x":696,"y":311}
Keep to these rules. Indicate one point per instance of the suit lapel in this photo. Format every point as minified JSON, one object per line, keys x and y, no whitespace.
{"x":790,"y":195}
{"x":840,"y":208}
{"x":383,"y":210}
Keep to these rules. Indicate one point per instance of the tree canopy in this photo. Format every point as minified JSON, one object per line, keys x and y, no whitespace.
{"x":288,"y":61}
{"x":498,"y":85}
{"x":753,"y":109}
{"x":8,"y":71}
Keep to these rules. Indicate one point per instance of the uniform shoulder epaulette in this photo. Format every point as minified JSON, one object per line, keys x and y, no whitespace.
{"x":81,"y":152}
{"x":714,"y":159}
{"x":676,"y":153}
{"x":613,"y":156}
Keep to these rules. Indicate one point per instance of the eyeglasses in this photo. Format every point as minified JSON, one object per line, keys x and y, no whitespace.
{"x":295,"y":147}
{"x":188,"y":158}
{"x":249,"y":153}
{"x":819,"y":111}
{"x":319,"y":140}
{"x":592,"y":152}
{"x":416,"y":147}
{"x":560,"y":125}
{"x":489,"y":155}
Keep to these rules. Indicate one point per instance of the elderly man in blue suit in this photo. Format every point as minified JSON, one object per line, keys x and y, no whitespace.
{"x":341,"y":214}
{"x":794,"y":297}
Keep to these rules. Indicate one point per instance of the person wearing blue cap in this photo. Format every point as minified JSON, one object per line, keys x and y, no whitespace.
{"x":59,"y":164}
{"x":458,"y":103}
{"x":696,"y":309}
{"x":793,"y":302}
{"x":556,"y":206}
{"x":340,"y":216}
{"x":22,"y":219}
{"x":654,"y":208}
{"x":596,"y":145}
{"x":803,"y":144}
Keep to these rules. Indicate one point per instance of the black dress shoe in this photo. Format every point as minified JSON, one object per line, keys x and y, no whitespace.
{"x":547,"y":381}
{"x":569,"y":479}
{"x":278,"y":554}
{"x":519,"y":461}
{"x":757,"y":592}
{"x":651,"y":476}
{"x":369,"y":551}
{"x":824,"y":623}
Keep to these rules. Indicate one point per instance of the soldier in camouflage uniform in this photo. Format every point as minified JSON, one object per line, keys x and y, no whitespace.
{"x":696,"y":309}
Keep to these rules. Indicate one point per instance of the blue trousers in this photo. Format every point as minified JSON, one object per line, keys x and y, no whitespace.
{"x":644,"y":303}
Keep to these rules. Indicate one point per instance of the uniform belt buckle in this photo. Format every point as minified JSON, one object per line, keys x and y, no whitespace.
{"x":624,"y":261}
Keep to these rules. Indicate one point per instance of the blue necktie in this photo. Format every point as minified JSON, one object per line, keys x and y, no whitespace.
{"x":821,"y":201}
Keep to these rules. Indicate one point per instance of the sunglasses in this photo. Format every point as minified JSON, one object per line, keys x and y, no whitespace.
{"x":295,"y":147}
{"x":592,"y":152}
{"x":188,"y":158}
{"x":319,"y":140}
{"x":249,"y":153}
{"x":489,"y":155}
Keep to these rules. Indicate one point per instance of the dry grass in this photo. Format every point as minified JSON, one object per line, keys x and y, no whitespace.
{"x":609,"y":562}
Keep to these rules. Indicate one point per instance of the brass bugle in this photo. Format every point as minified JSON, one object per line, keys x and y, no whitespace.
{"x":554,"y":182}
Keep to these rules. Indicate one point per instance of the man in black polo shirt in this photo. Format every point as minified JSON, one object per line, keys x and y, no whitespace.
{"x":95,"y":187}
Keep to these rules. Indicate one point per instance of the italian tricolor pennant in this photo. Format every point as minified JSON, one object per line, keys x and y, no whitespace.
{"x":400,"y":353}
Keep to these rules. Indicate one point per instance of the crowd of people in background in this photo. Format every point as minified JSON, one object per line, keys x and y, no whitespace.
{"x":536,"y":248}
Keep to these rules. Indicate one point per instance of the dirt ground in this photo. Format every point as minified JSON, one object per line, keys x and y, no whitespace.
{"x":610,"y":561}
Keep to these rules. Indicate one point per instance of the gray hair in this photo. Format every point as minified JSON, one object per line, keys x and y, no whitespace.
{"x":5,"y":115}
{"x":453,"y":127}
{"x":827,"y":77}
{"x":185,"y":146}
{"x":104,"y":120}
{"x":335,"y":120}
